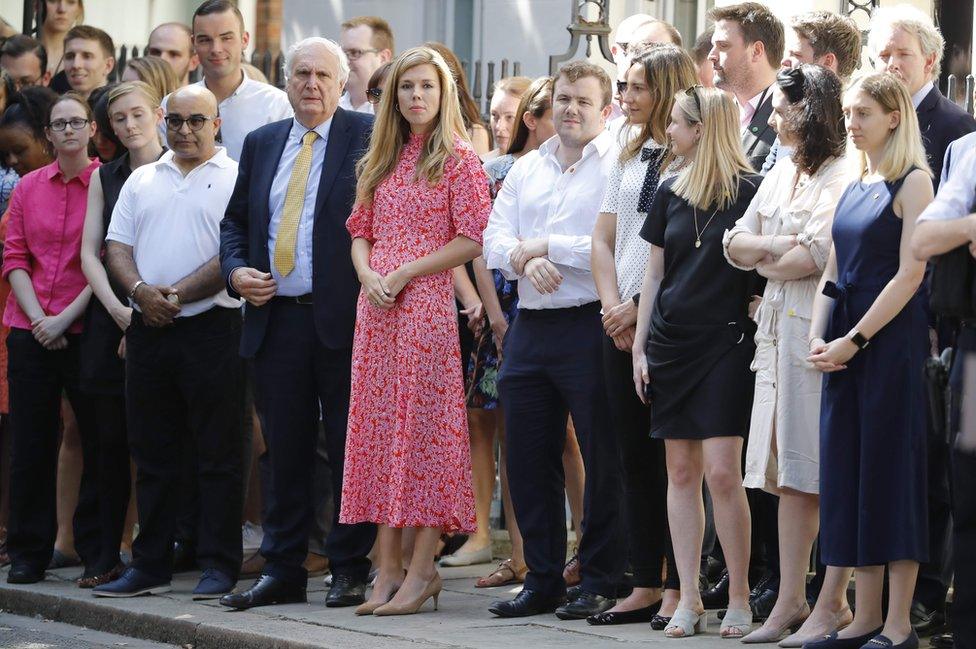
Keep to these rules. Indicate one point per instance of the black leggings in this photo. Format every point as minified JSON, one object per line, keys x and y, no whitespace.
{"x":645,"y":475}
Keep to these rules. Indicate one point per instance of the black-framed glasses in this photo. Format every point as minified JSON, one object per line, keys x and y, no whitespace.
{"x":354,"y":54}
{"x":621,"y":87}
{"x":175,"y":122}
{"x":76,"y":124}
{"x":693,"y":93}
{"x":373,"y":95}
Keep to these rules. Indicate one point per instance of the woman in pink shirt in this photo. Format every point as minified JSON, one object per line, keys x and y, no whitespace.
{"x":42,"y":262}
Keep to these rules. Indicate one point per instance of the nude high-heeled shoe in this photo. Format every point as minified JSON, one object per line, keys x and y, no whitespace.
{"x":433,"y":589}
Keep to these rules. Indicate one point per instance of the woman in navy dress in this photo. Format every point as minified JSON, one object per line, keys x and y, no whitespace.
{"x":872,"y":422}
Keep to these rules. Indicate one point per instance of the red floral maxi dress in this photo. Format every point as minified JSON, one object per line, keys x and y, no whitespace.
{"x":408,"y":461}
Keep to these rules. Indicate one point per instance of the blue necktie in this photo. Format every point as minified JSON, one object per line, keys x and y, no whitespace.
{"x":652,"y":177}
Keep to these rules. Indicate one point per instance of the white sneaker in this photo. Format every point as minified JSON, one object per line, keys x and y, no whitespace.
{"x":252,"y":536}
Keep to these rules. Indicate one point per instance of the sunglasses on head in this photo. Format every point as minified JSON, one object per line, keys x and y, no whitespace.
{"x":621,"y":87}
{"x":693,"y":93}
{"x":373,"y":95}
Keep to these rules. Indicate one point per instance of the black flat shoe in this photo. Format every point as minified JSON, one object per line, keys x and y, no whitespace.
{"x":266,"y":591}
{"x":526,"y":603}
{"x":637,"y":616}
{"x":925,"y":620}
{"x":883,"y":642}
{"x":24,"y":575}
{"x":658,"y":622}
{"x":585,"y":605}
{"x":718,"y":595}
{"x":345,"y":591}
{"x":833,"y":642}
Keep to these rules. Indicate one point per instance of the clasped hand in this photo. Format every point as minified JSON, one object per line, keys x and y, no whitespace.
{"x":381,"y":290}
{"x":49,"y":331}
{"x":527,"y":250}
{"x":832,"y":356}
{"x":254,"y":286}
{"x":619,"y":323}
{"x":157,"y":310}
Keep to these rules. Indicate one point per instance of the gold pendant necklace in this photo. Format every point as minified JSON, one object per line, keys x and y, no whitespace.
{"x":699,"y":233}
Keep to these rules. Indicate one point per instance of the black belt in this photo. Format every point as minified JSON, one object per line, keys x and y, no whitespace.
{"x":295,"y":299}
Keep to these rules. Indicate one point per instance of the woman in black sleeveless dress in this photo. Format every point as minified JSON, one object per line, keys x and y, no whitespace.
{"x":135,"y":116}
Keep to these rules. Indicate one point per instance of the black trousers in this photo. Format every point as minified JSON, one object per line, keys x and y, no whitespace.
{"x":297,"y":378}
{"x":553,"y":364}
{"x":37,"y":377}
{"x":644,"y":474}
{"x":186,"y":380}
{"x":963,"y":506}
{"x":105,"y":486}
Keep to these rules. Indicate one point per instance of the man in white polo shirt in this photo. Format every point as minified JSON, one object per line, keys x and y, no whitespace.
{"x":184,"y":377}
{"x":219,"y":40}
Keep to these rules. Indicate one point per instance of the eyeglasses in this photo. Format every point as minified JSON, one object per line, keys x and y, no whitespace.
{"x":373,"y":95}
{"x":353,"y":54}
{"x":175,"y":122}
{"x":621,"y":87}
{"x":693,"y":93}
{"x":76,"y":124}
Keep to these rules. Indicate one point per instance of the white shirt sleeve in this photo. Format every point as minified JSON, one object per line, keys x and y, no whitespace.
{"x":122,"y":226}
{"x":570,"y":250}
{"x":502,"y":234}
{"x":957,"y":193}
{"x":280,"y":108}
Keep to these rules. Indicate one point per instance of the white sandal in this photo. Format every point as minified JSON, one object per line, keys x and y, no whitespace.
{"x":687,"y":622}
{"x":736,"y":623}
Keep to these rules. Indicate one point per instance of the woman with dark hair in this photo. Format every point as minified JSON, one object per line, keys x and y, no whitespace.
{"x":374,"y":87}
{"x":469,"y":108}
{"x":105,"y":142}
{"x":619,"y":260}
{"x":785,"y":236}
{"x":57,"y":19}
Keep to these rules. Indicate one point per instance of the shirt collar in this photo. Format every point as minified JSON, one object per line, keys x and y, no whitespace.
{"x":601,"y":144}
{"x":242,"y":86}
{"x":922,"y":94}
{"x":53,"y":170}
{"x":218,"y":159}
{"x":298,"y":131}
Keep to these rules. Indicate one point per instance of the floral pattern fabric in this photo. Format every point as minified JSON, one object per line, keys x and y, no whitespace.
{"x":408,"y":460}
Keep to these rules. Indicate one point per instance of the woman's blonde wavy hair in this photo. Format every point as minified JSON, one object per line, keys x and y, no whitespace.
{"x":712,"y":181}
{"x":904,"y":148}
{"x":391,"y":130}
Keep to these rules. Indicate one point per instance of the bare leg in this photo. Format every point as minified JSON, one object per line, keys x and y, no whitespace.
{"x":421,"y":569}
{"x":131,"y":514}
{"x":867,"y":592}
{"x":669,"y":602}
{"x":901,"y":586}
{"x":481,"y":428}
{"x":575,"y":476}
{"x":799,"y":520}
{"x":686,"y":515}
{"x":723,"y":472}
{"x":69,"y":481}
{"x":518,"y":553}
{"x":831,"y":611}
{"x":390,"y":560}
{"x":252,"y":501}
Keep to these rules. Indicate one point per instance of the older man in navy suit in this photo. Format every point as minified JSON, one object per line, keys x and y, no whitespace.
{"x":905,"y":42}
{"x":285,"y":250}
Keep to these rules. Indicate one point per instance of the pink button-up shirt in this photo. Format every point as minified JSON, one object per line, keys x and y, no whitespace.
{"x":47,"y":216}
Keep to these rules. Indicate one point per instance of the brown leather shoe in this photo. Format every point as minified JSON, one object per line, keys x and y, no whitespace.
{"x":98,"y":580}
{"x":252,"y":566}
{"x":316,"y":564}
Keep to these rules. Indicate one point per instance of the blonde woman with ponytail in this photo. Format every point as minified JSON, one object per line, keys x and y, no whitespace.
{"x":693,"y":346}
{"x":421,"y":206}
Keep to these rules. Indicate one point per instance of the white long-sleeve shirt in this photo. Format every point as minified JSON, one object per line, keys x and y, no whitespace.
{"x":540,"y":200}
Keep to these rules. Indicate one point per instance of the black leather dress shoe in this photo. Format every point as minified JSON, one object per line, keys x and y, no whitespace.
{"x":637,"y":616}
{"x":942,"y":641}
{"x":925,"y":620}
{"x":526,"y":603}
{"x":21,"y":574}
{"x":762,"y":598}
{"x":585,"y":605}
{"x":345,"y":591}
{"x":718,"y":595}
{"x":266,"y":591}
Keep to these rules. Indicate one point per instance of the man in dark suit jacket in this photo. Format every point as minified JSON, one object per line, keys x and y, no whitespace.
{"x":285,"y":249}
{"x":905,"y":42}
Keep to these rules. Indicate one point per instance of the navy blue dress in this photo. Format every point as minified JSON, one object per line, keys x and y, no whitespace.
{"x":872,"y":419}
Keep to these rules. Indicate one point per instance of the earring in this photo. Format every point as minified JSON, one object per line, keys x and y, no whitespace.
{"x":396,"y":107}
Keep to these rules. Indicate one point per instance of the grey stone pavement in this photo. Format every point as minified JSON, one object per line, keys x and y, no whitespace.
{"x":463,"y":620}
{"x":35,"y":633}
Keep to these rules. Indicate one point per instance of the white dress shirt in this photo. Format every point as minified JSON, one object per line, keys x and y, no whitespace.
{"x":172,"y":221}
{"x":539,"y":199}
{"x":346,"y":103}
{"x":956,"y":197}
{"x":251,"y":106}
{"x":921,"y":94}
{"x":299,"y":280}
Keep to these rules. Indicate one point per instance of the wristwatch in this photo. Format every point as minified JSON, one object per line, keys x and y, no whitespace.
{"x":636,"y":299}
{"x":858,"y":339}
{"x":135,"y":287}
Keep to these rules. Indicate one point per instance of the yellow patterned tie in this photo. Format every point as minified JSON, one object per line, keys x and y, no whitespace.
{"x":291,"y":213}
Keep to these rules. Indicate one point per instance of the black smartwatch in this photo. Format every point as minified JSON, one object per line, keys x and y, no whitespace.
{"x":858,"y":339}
{"x":636,"y":299}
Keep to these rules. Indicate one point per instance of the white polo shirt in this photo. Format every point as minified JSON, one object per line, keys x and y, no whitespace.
{"x":251,"y":106}
{"x":172,"y":221}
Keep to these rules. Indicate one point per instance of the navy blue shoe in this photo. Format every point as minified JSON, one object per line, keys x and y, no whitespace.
{"x":883,"y":642}
{"x":213,"y":584}
{"x":132,"y":583}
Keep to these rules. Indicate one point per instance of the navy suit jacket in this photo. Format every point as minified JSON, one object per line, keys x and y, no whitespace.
{"x":244,"y":229}
{"x":759,"y":136}
{"x":941,"y":122}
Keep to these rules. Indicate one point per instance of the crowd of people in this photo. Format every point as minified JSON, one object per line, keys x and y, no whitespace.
{"x":712,"y":303}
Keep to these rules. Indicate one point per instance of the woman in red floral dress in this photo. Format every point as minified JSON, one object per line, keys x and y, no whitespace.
{"x":421,"y":205}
